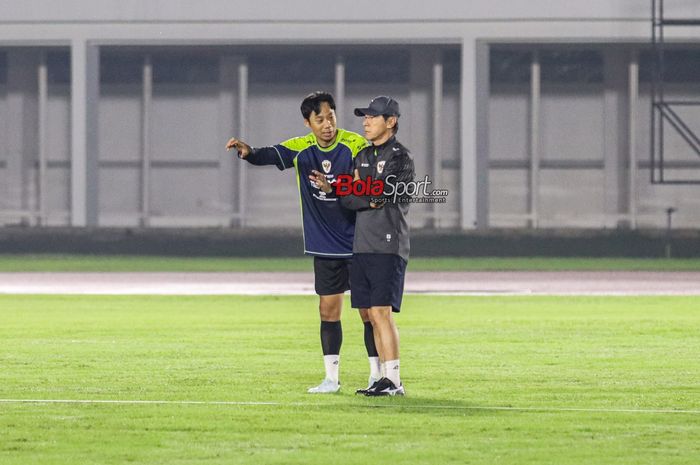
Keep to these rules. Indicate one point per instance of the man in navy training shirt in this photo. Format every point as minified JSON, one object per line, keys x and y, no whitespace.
{"x":328,"y":229}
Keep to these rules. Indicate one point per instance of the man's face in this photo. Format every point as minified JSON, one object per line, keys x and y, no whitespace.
{"x":378,"y":128}
{"x":323,"y":124}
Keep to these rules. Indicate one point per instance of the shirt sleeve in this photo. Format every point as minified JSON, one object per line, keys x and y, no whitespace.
{"x":353,"y":202}
{"x":277,"y":155}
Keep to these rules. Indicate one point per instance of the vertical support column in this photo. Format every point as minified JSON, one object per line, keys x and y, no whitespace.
{"x":243,"y":134}
{"x":474,"y":141}
{"x":483,"y":91}
{"x":468,"y":110}
{"x":437,"y":146}
{"x":633,"y":100}
{"x":660,"y":88}
{"x":339,"y":85}
{"x":654,"y":83}
{"x":85,"y":72}
{"x":615,"y":150}
{"x":41,"y":208}
{"x":535,"y":95}
{"x":146,"y":109}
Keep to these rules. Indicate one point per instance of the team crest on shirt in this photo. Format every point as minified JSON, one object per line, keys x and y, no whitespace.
{"x":380,"y":167}
{"x":326,"y":164}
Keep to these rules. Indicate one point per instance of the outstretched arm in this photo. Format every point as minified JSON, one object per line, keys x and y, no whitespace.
{"x":275,"y":155}
{"x":241,"y":147}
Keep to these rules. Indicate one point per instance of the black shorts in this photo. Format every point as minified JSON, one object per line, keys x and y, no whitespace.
{"x":332,"y":275}
{"x":377,"y":280}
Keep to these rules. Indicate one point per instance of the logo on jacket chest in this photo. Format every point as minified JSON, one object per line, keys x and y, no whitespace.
{"x":326,"y":165}
{"x":380,"y":166}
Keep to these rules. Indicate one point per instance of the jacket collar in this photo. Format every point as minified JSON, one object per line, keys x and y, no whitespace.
{"x":386,"y":144}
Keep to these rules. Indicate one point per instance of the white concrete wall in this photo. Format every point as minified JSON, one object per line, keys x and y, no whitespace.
{"x":200,"y":117}
{"x":306,"y":10}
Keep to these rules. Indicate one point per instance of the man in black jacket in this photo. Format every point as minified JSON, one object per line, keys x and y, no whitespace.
{"x":381,"y":244}
{"x":328,"y":228}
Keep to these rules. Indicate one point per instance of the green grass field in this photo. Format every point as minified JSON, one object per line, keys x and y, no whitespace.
{"x":89,"y":263}
{"x":490,"y":380}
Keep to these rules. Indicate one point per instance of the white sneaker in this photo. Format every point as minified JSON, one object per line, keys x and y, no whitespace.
{"x":326,"y":387}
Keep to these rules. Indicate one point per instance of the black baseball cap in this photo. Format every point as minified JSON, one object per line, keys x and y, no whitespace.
{"x":381,"y":105}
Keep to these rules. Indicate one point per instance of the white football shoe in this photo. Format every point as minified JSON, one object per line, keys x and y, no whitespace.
{"x":326,"y":387}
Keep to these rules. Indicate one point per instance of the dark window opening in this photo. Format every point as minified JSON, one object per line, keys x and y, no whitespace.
{"x":121,"y":68}
{"x":58,"y":67}
{"x":291,"y":68}
{"x":679,"y":66}
{"x":509,"y":67}
{"x":384,"y":67}
{"x":572,"y":66}
{"x":185,"y":69}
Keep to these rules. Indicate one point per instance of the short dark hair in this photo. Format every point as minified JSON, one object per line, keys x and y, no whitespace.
{"x":396,"y":126}
{"x":312,"y":103}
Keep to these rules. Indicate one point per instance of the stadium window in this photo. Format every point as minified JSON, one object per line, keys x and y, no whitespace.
{"x":177,"y":68}
{"x":452,"y":66}
{"x":680,"y":65}
{"x":3,"y":68}
{"x":571,"y":66}
{"x":291,"y":67}
{"x":121,"y":68}
{"x":509,"y":66}
{"x":58,"y":67}
{"x":390,"y":67}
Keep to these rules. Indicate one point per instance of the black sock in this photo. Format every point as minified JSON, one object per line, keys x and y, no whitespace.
{"x":331,"y":337}
{"x":369,"y":340}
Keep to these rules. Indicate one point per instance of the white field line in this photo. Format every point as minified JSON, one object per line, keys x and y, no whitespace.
{"x":307,"y":404}
{"x":254,"y":290}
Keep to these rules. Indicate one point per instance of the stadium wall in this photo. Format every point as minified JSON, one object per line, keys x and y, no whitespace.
{"x":115,"y":112}
{"x":288,"y":242}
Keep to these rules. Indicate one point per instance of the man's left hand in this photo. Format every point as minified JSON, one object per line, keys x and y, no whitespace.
{"x":321,"y":181}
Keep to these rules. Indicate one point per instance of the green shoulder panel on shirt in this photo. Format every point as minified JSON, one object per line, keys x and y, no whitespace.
{"x":297,"y":144}
{"x":352,"y":140}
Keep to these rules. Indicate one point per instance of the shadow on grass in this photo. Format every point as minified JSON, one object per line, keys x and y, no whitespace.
{"x":401,"y":404}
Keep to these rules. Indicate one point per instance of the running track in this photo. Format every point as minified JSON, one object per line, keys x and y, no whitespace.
{"x":301,"y":283}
